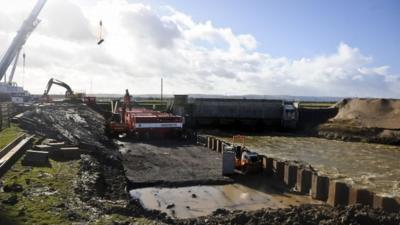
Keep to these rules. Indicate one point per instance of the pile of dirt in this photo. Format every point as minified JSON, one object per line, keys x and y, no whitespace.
{"x":370,"y":113}
{"x":368,"y":120}
{"x":101,"y":173}
{"x":73,"y":123}
{"x":301,"y":215}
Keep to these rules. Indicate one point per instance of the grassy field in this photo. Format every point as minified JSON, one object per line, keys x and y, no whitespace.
{"x":9,"y":134}
{"x":48,"y":197}
{"x":316,"y":105}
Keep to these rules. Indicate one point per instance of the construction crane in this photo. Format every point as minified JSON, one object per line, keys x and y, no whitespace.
{"x":19,"y":40}
{"x":69,"y":94}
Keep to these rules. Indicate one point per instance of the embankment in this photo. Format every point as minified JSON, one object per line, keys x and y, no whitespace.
{"x":368,"y":120}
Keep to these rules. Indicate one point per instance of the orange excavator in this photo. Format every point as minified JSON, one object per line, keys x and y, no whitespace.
{"x":246,"y":161}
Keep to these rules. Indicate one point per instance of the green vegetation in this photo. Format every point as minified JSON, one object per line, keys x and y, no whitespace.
{"x":316,"y":105}
{"x":45,"y":191}
{"x":48,"y":197}
{"x":9,"y":134}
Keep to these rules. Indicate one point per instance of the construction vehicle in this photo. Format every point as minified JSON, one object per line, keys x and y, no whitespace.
{"x":142,"y":122}
{"x":246,"y":161}
{"x":69,"y":94}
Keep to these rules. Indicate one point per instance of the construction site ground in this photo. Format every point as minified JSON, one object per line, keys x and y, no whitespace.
{"x":94,"y":189}
{"x":172,"y":163}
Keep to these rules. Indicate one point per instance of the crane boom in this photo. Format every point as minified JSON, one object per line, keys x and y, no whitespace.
{"x":19,"y":40}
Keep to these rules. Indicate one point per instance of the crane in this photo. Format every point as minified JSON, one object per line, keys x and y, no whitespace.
{"x":19,"y":40}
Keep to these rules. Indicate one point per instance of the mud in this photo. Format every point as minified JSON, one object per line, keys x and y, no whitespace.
{"x":300,"y":215}
{"x":252,"y":193}
{"x":172,"y":163}
{"x":101,"y":173}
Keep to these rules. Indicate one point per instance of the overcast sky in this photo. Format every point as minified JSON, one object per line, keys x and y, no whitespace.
{"x":229,"y":47}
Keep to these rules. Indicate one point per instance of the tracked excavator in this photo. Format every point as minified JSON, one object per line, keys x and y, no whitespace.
{"x":70,"y":96}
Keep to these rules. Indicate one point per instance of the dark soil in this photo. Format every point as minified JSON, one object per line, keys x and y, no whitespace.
{"x":302,"y":215}
{"x":171,"y":163}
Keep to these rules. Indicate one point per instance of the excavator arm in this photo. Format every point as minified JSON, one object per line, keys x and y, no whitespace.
{"x":68,"y":92}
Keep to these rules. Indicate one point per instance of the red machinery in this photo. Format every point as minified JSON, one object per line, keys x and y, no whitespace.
{"x":144,"y":122}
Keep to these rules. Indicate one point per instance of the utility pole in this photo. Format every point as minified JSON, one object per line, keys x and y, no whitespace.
{"x":161,"y":101}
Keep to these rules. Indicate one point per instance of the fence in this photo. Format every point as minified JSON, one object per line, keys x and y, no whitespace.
{"x":5,"y":114}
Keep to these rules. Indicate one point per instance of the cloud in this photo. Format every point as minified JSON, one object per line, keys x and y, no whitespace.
{"x":143,"y":44}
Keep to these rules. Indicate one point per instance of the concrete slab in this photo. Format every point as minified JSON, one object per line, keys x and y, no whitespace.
{"x":360,"y":196}
{"x":171,"y":163}
{"x":36,"y":158}
{"x":290,"y":175}
{"x":386,"y":203}
{"x":338,"y":194}
{"x":303,"y":184}
{"x":278,"y":169}
{"x":319,"y":187}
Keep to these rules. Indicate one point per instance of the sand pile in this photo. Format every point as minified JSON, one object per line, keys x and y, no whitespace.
{"x":369,"y":113}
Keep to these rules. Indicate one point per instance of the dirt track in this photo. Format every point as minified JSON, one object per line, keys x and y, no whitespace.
{"x":171,"y":163}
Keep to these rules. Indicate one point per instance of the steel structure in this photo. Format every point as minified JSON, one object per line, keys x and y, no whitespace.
{"x":19,"y":40}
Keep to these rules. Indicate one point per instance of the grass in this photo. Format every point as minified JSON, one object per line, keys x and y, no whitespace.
{"x":9,"y":134}
{"x":316,"y":105}
{"x":36,"y":207}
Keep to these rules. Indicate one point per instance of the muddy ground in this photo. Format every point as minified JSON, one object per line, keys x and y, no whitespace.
{"x":170,"y":163}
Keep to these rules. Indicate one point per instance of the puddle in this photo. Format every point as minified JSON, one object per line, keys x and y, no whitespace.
{"x":195,"y":201}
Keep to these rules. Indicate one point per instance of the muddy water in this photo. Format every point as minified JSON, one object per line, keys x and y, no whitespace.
{"x":373,"y":166}
{"x":202,"y":200}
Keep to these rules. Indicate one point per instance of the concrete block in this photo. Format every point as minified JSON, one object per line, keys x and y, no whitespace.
{"x":47,"y":148}
{"x":68,"y":153}
{"x":36,"y":158}
{"x":388,"y":204}
{"x":209,"y":141}
{"x":268,"y":165}
{"x":303,"y":184}
{"x":319,"y":187}
{"x":219,"y":146}
{"x":290,"y":175}
{"x":338,"y":194}
{"x":56,"y":144}
{"x":360,"y":196}
{"x":214,"y":145}
{"x":278,"y":169}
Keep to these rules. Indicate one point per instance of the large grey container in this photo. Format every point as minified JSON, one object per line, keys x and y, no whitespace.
{"x":228,"y":162}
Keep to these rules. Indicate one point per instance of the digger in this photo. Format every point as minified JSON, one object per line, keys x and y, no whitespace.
{"x":246,"y":161}
{"x":70,"y":96}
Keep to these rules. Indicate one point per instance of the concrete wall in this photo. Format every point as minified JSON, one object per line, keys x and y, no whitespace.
{"x":305,"y":181}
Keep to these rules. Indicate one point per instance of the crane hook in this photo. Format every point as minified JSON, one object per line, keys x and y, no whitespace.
{"x":101,"y":40}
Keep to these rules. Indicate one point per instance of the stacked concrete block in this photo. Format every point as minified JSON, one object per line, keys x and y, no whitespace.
{"x":319,"y":187}
{"x":36,"y":158}
{"x":268,"y":165}
{"x":303,"y":184}
{"x":338,"y":194}
{"x":360,"y":196}
{"x":278,"y":169}
{"x":386,"y":203}
{"x":290,"y":175}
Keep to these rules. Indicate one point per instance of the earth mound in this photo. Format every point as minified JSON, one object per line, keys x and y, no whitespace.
{"x":367,"y":120}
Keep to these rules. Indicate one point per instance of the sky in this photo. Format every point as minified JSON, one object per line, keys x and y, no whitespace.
{"x":304,"y":48}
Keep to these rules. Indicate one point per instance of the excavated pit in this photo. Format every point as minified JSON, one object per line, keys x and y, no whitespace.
{"x":170,"y":163}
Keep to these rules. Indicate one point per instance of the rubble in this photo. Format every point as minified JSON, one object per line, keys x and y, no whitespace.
{"x":301,"y":215}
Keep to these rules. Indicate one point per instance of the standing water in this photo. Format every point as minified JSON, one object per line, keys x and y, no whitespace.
{"x":371,"y":166}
